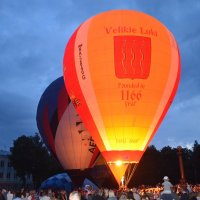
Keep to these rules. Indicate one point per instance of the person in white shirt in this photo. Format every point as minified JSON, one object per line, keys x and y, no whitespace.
{"x":75,"y":195}
{"x":136,"y":194}
{"x":44,"y":195}
{"x":167,"y":194}
{"x":10,"y":195}
{"x":167,"y":186}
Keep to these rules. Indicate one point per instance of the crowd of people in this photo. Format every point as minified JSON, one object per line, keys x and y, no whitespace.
{"x":165,"y":191}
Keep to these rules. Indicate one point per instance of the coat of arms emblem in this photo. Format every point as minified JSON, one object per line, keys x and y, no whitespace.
{"x":132,"y":55}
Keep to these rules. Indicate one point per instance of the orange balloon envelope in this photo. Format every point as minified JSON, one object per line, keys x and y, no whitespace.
{"x":121,"y":70}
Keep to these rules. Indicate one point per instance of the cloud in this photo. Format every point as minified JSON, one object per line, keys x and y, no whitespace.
{"x":181,"y":124}
{"x":33,"y":37}
{"x":17,"y":117}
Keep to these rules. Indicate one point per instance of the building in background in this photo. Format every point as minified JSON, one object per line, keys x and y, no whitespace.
{"x":8,"y":176}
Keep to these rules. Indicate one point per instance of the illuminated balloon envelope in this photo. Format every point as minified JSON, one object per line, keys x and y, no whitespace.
{"x":74,"y":146}
{"x":121,"y":70}
{"x":62,"y":129}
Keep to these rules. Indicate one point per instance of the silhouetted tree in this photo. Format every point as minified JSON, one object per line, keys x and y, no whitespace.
{"x":187,"y":163}
{"x":148,"y":171}
{"x":29,"y":156}
{"x":196,"y":162}
{"x":170,"y":164}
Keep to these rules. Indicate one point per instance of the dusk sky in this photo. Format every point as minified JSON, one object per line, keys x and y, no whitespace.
{"x":33,"y":36}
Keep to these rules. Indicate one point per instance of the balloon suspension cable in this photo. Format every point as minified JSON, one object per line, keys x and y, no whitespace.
{"x":129,"y":173}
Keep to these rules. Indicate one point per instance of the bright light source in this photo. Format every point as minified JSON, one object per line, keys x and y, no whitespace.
{"x":119,"y":162}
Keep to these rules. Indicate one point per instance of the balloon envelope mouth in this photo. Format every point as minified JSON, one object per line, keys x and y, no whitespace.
{"x":120,"y":162}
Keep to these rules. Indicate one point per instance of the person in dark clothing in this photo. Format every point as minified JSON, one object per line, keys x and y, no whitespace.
{"x":184,"y":194}
{"x":130,"y":195}
{"x":1,"y":195}
{"x":166,"y":197}
{"x":98,"y":195}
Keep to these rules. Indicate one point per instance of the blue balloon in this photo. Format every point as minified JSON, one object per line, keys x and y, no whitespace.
{"x":89,"y":184}
{"x":49,"y":107}
{"x":59,"y":182}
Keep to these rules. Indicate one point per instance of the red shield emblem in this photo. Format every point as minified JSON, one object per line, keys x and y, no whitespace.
{"x":132,"y":56}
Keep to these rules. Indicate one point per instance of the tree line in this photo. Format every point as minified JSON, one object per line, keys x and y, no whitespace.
{"x":29,"y":156}
{"x":155,"y":164}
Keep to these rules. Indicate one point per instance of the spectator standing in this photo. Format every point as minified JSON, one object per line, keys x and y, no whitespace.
{"x":1,"y":195}
{"x":167,"y":186}
{"x":130,"y":195}
{"x":17,"y":196}
{"x":75,"y":195}
{"x":166,"y":194}
{"x":136,"y":195}
{"x":4,"y":192}
{"x":44,"y":195}
{"x":31,"y":195}
{"x":10,"y":195}
{"x":184,"y":194}
{"x":98,"y":195}
{"x":63,"y":195}
{"x":111,"y":195}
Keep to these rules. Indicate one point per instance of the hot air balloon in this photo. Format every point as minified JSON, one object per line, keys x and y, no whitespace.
{"x":51,"y":107}
{"x":121,"y":71}
{"x":101,"y":175}
{"x":64,"y":132}
{"x":60,"y":181}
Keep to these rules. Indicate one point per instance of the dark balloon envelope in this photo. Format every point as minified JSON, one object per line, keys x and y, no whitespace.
{"x":62,"y":129}
{"x":51,"y":106}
